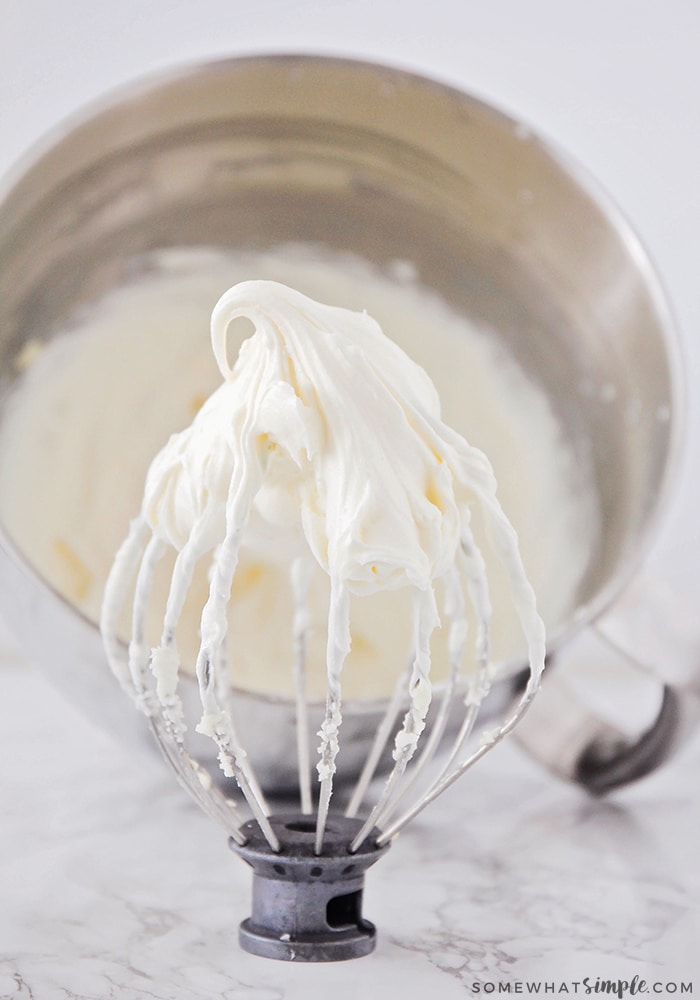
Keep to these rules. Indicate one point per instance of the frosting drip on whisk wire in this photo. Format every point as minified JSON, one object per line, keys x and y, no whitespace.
{"x":324,"y":444}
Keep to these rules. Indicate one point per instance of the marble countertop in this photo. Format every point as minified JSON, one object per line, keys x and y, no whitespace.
{"x":112,"y":883}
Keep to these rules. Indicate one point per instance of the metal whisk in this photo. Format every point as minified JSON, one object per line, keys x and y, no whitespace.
{"x":309,"y":864}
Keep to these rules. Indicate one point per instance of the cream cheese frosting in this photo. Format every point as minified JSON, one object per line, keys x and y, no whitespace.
{"x":331,"y":436}
{"x":83,"y":421}
{"x":325,"y":442}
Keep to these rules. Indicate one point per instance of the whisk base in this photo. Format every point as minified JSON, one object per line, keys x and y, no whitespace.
{"x":307,"y":907}
{"x":309,"y":948}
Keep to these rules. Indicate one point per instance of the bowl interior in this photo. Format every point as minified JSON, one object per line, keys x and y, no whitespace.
{"x":260,"y":152}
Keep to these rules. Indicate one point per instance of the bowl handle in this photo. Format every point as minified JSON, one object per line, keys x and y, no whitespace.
{"x":623,"y":696}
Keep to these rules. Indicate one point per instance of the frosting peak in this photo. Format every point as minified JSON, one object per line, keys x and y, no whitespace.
{"x":325,"y":429}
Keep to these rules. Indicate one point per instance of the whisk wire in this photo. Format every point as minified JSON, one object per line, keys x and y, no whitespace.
{"x":165,"y":658}
{"x":454,"y":610}
{"x":225,"y":695}
{"x":137,"y":557}
{"x":117,"y":588}
{"x":382,"y":736}
{"x":198,"y":783}
{"x":139,"y":653}
{"x":489,"y":741}
{"x":216,"y":721}
{"x":300,"y":581}
{"x":406,"y":741}
{"x":338,"y":647}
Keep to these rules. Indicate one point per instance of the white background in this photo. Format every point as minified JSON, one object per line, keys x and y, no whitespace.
{"x":105,"y":892}
{"x":614,"y":82}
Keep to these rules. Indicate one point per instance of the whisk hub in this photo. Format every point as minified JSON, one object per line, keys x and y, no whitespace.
{"x":307,"y":907}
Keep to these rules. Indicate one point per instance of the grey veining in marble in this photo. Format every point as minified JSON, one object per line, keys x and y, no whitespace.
{"x":115,"y":886}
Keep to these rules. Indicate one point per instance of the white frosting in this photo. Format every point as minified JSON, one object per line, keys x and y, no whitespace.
{"x":325,"y":439}
{"x":330,"y":437}
{"x":84,"y":422}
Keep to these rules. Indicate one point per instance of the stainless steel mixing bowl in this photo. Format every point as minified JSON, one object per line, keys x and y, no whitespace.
{"x":254,"y":152}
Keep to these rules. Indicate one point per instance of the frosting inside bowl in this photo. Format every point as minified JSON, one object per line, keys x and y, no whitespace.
{"x":91,"y":409}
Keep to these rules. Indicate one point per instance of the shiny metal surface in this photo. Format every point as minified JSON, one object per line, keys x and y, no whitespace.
{"x":258,"y":151}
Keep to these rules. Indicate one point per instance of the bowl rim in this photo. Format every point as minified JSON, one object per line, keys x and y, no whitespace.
{"x":618,"y":222}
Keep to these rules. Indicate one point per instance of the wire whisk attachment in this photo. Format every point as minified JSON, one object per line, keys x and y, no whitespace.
{"x":323,"y":450}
